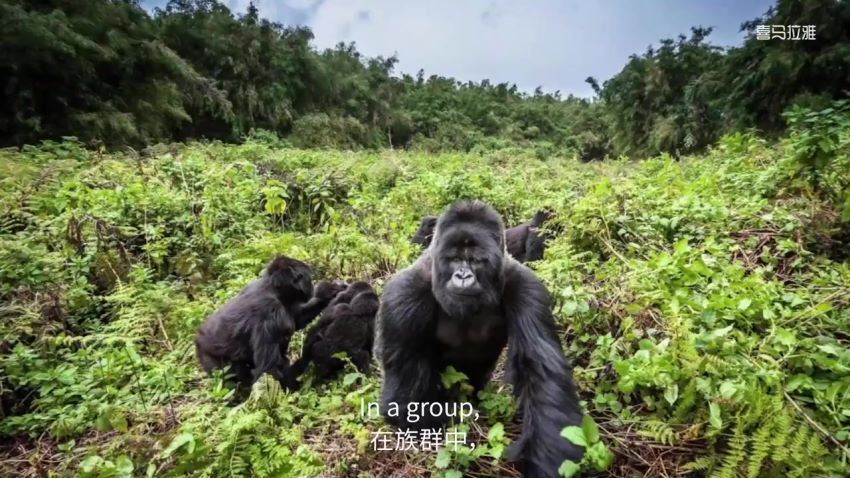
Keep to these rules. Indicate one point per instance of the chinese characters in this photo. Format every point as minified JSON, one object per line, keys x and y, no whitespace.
{"x":785,"y":32}
{"x":427,"y":439}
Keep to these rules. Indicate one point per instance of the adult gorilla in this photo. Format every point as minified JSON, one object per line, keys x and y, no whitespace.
{"x":251,"y":332}
{"x":459,"y":305}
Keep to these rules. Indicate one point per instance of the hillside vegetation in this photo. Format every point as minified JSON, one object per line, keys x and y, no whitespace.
{"x":705,"y":303}
{"x":110,"y":72}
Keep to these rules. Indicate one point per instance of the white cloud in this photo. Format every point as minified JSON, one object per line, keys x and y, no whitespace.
{"x":552,"y":43}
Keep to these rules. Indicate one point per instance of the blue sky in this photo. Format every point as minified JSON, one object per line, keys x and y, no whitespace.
{"x":554,"y":44}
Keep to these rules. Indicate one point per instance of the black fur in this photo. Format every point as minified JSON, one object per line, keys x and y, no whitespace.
{"x":425,"y":232}
{"x":347,"y":325}
{"x":251,"y":332}
{"x":434,"y":314}
{"x":525,"y":242}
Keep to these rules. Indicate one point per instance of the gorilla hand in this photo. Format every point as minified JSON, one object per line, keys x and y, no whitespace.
{"x":323,"y":294}
{"x":328,"y":290}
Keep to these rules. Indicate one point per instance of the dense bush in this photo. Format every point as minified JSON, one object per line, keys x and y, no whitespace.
{"x":707,"y":327}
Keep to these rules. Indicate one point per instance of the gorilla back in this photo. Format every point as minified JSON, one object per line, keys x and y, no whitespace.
{"x":460,"y":304}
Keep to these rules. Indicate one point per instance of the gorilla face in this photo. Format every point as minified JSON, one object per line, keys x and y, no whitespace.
{"x":291,"y":278}
{"x":467,"y":259}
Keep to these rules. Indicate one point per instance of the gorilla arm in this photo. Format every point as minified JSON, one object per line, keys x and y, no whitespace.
{"x":541,"y":377}
{"x":407,"y":323}
{"x":266,"y":345}
{"x":324,"y":293}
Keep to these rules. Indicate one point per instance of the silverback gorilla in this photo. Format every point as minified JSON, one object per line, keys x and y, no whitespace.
{"x":251,"y":332}
{"x":347,"y":325}
{"x":460,"y":304}
{"x":525,"y":242}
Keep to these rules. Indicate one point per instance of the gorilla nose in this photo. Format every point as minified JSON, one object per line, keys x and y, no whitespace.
{"x":463,"y":278}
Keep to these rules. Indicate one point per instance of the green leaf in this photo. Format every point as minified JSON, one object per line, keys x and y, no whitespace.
{"x":453,"y":474}
{"x":714,"y":415}
{"x":785,"y":337}
{"x":497,"y":432}
{"x":831,"y":349}
{"x":452,"y":376}
{"x":184,"y":438}
{"x":600,"y":456}
{"x":575,"y":435}
{"x":124,"y":467}
{"x":591,"y":431}
{"x":744,"y":304}
{"x":496,"y":451}
{"x":671,"y":393}
{"x":90,"y":463}
{"x":444,"y":458}
{"x":569,"y":469}
{"x":350,"y":378}
{"x":728,"y":389}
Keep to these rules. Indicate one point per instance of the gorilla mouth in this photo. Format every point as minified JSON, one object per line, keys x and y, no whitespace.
{"x":469,"y":290}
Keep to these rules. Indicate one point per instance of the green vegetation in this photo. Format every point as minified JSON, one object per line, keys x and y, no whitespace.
{"x":109,"y":73}
{"x":705,"y":303}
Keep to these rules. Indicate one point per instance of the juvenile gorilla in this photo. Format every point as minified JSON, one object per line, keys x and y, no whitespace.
{"x":347,"y":325}
{"x":425,"y":232}
{"x":525,"y":242}
{"x":251,"y":332}
{"x":460,"y":304}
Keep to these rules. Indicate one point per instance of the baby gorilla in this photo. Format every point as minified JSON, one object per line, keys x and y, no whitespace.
{"x":251,"y":332}
{"x":347,"y":325}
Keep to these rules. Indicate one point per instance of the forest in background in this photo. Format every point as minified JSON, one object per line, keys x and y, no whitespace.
{"x":108,"y":72}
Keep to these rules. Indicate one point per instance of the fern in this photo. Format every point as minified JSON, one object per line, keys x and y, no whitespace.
{"x":783,"y":426}
{"x":703,"y":463}
{"x":760,"y":449}
{"x":659,"y":431}
{"x":735,"y":455}
{"x":798,"y":448}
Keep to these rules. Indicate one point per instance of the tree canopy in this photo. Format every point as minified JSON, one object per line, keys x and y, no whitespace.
{"x":110,"y":72}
